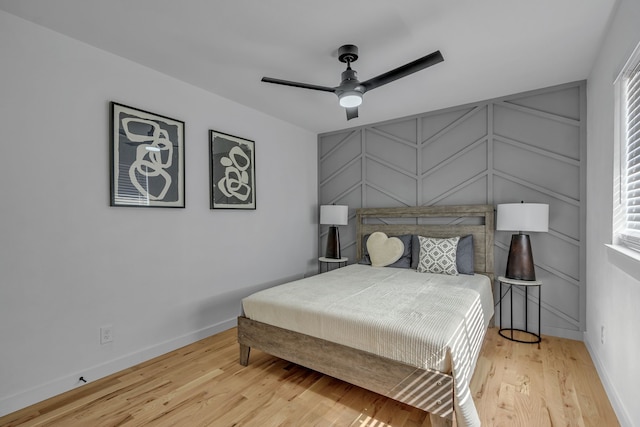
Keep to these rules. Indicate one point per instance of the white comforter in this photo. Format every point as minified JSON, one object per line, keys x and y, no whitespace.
{"x":424,"y":320}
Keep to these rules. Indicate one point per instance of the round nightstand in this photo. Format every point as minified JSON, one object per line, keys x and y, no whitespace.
{"x":525,"y":284}
{"x":337,"y":262}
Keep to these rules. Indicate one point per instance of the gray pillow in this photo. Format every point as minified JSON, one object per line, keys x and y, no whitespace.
{"x":464,"y":254}
{"x":403,"y":262}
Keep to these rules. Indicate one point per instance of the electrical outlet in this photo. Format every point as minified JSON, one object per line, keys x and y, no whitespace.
{"x":106,"y":334}
{"x":602,"y":334}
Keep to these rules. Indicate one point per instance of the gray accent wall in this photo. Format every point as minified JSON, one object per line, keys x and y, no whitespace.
{"x":525,"y":147}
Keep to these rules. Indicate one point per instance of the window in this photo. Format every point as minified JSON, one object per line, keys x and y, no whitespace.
{"x":627,"y":215}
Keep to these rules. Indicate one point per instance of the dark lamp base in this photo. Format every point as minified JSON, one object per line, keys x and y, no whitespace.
{"x":333,"y":243}
{"x":520,"y":261}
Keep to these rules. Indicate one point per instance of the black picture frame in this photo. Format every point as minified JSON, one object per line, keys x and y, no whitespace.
{"x":232,"y":171}
{"x":147,"y":159}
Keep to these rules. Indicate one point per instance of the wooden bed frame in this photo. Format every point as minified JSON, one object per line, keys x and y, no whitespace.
{"x":426,"y":389}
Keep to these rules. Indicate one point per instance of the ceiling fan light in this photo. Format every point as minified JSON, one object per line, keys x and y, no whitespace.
{"x":350,"y":99}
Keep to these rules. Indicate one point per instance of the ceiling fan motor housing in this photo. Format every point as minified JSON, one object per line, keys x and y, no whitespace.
{"x":348,"y":75}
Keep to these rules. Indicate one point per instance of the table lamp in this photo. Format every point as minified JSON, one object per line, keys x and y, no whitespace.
{"x":334,"y":215}
{"x":522,"y":217}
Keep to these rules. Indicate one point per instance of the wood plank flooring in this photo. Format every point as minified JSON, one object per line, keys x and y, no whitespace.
{"x":204,"y":385}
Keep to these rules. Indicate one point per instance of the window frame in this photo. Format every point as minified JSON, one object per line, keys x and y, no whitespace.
{"x":622,"y":234}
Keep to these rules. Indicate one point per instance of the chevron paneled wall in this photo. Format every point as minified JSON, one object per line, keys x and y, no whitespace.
{"x":525,"y":147}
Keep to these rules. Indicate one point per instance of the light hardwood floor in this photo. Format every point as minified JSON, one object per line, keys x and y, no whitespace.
{"x":204,"y":385}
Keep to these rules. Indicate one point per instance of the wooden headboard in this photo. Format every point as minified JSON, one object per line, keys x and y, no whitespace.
{"x":434,"y":221}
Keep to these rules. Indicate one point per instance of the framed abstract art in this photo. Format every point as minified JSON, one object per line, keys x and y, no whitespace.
{"x":232,"y":171}
{"x":147,"y":159}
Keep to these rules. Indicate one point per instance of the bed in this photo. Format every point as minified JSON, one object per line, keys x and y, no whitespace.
{"x":411,"y":336}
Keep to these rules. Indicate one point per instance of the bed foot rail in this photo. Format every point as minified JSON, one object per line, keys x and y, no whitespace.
{"x":426,"y":389}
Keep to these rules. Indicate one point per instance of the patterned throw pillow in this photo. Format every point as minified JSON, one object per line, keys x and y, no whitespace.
{"x":438,"y":255}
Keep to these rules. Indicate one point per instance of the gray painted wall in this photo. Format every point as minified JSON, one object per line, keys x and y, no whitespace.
{"x":528,"y":146}
{"x":613,"y":286}
{"x":161,"y":277}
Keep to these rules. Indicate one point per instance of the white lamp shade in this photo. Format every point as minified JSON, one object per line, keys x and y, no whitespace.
{"x":523,"y":217}
{"x":334,"y":214}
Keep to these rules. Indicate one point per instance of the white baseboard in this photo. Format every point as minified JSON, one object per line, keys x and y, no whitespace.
{"x":44,"y":391}
{"x":562,"y":333}
{"x":618,"y":406}
{"x":70,"y":381}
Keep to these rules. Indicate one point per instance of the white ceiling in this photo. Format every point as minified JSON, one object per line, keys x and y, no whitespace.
{"x":491,"y":47}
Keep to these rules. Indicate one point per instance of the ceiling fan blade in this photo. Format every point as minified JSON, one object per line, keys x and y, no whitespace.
{"x":352,"y":112}
{"x":410,"y":68}
{"x":296,"y":84}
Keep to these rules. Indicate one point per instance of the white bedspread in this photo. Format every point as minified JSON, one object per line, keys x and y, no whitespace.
{"x":424,"y":320}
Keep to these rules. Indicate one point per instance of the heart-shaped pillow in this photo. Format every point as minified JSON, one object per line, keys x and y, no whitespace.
{"x":384,"y":250}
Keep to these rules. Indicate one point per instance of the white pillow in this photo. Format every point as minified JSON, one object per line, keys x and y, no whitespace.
{"x":384,"y":250}
{"x":438,"y":255}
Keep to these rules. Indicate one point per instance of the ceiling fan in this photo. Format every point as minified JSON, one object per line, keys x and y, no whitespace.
{"x":350,"y":90}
